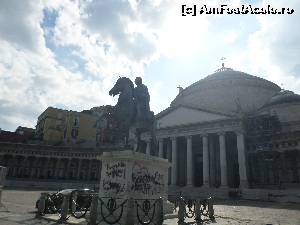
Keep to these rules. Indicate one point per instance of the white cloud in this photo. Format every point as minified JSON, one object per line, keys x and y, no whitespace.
{"x":230,"y":36}
{"x":119,"y":37}
{"x":274,"y":50}
{"x":32,"y":82}
{"x":19,"y":20}
{"x":106,"y":33}
{"x":111,"y":37}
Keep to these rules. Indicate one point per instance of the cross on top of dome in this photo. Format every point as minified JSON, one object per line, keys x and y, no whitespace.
{"x":223,"y":68}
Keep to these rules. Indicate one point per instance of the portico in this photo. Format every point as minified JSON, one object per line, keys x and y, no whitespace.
{"x":34,"y":162}
{"x":207,"y":155}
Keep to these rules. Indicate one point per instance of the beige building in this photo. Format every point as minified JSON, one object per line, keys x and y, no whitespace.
{"x":57,"y":127}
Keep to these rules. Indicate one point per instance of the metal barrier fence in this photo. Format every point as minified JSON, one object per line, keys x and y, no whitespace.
{"x":74,"y":203}
{"x":120,"y":211}
{"x":126,"y":211}
{"x":148,"y":213}
{"x":200,"y":210}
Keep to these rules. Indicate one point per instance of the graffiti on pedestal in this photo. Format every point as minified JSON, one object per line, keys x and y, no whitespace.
{"x":114,"y":181}
{"x":146,"y":181}
{"x":116,"y":170}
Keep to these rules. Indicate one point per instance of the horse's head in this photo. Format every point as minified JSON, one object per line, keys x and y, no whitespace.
{"x":122,"y":84}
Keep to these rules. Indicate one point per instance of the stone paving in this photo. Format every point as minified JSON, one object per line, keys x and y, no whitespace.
{"x":19,"y":208}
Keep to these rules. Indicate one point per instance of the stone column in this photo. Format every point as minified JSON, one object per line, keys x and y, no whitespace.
{"x":79,"y":169}
{"x":223,"y":160}
{"x":66,"y":175}
{"x":14,"y":162}
{"x":205,"y":161}
{"x":26,"y":166}
{"x":45,"y":169}
{"x":33,"y":167}
{"x":189,"y":161}
{"x":169,"y":157}
{"x":98,"y":169}
{"x":242,"y":160}
{"x":37,"y":167}
{"x":174,"y":161}
{"x":148,"y":147}
{"x":57,"y":168}
{"x":89,"y":169}
{"x":161,"y":147}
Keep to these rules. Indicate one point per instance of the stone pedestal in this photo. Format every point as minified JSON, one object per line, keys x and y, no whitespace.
{"x":131,"y":177}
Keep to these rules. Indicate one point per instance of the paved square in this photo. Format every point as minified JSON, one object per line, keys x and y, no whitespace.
{"x":19,"y":208}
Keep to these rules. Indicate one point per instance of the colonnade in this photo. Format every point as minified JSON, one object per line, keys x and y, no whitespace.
{"x":21,"y":166}
{"x":240,"y":145}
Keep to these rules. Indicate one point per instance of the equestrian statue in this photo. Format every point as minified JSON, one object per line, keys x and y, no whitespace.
{"x":132,"y":111}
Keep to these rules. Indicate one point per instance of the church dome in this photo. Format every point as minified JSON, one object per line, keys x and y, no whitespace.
{"x":282,"y":97}
{"x":227,"y":91}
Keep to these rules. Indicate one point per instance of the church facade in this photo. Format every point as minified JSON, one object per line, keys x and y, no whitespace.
{"x":230,"y":130}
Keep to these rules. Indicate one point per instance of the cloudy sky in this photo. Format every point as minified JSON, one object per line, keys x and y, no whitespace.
{"x":69,"y":53}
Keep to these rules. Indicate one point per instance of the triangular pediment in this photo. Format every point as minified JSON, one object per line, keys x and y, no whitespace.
{"x":186,"y":115}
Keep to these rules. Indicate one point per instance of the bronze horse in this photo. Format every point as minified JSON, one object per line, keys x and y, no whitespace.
{"x":124,"y":111}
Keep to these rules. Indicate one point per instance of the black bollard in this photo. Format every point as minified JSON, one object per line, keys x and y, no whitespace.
{"x":42,"y":204}
{"x":64,"y":209}
{"x":211,"y":212}
{"x":93,"y":210}
{"x":160,"y":211}
{"x":181,"y":211}
{"x":198,"y":212}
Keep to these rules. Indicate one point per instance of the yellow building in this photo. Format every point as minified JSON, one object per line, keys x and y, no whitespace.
{"x":58,"y":127}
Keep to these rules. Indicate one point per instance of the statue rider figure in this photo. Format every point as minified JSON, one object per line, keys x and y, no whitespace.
{"x":141,"y":99}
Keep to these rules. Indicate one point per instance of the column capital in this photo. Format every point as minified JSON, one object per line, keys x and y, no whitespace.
{"x":173,"y":138}
{"x":221,"y":133}
{"x":239,"y":132}
{"x":160,"y":139}
{"x":204,"y":135}
{"x":188,"y":136}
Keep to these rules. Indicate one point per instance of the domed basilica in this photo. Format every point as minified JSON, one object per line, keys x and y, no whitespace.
{"x":232,"y":130}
